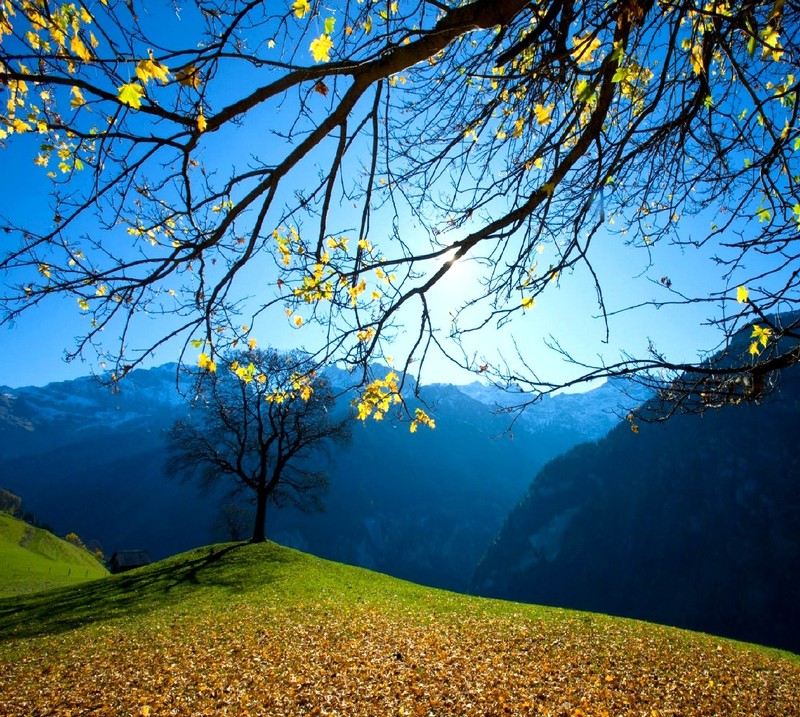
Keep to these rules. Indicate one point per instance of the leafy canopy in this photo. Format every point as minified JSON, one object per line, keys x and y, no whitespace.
{"x":389,"y":142}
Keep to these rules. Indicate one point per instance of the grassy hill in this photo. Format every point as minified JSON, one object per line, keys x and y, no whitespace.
{"x":32,"y":559}
{"x":263,"y":630}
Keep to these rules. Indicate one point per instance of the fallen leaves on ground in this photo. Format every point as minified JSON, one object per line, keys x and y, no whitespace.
{"x":323,"y":659}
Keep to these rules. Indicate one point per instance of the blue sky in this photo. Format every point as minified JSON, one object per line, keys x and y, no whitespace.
{"x":32,"y":349}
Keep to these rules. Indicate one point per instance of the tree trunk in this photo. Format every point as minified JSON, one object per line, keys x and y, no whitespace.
{"x":259,"y":533}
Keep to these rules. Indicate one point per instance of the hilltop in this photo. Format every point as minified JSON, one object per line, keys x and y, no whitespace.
{"x":263,"y":630}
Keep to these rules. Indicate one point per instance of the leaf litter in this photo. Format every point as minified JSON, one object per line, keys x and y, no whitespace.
{"x":374,"y":661}
{"x":262,"y":630}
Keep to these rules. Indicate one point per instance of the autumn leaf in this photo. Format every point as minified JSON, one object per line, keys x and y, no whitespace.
{"x":321,"y":48}
{"x":543,"y":113}
{"x":189,"y":77}
{"x":201,"y":121}
{"x":697,"y":60}
{"x":761,"y":334}
{"x":321,"y":88}
{"x":301,"y":8}
{"x":584,"y":48}
{"x":77,"y":46}
{"x":742,"y":294}
{"x":528,"y":302}
{"x":204,"y":361}
{"x":772,"y":43}
{"x":131,"y":94}
{"x":421,"y":418}
{"x":152,"y":69}
{"x":78,"y":99}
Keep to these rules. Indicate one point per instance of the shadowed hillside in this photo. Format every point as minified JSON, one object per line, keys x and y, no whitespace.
{"x":695,"y":522}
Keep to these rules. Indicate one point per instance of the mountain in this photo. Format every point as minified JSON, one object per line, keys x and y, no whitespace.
{"x":694,"y":522}
{"x":421,"y":507}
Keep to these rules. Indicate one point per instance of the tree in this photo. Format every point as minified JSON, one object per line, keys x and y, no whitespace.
{"x":10,"y":503}
{"x":390,"y":142}
{"x":233,"y":521}
{"x":256,"y":425}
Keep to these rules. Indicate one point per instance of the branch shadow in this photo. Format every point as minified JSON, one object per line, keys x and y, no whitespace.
{"x":232,"y":569}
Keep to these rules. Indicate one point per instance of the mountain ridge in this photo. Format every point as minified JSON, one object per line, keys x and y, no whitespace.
{"x":422,"y":507}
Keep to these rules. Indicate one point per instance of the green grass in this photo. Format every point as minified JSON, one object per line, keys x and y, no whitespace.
{"x":259,"y":629}
{"x":33,"y":560}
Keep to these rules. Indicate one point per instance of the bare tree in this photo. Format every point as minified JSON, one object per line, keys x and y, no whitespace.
{"x":391,"y":141}
{"x":258,"y":426}
{"x":233,"y":521}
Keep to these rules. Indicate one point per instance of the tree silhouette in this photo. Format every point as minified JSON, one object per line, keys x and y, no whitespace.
{"x":258,"y":426}
{"x":388,"y":142}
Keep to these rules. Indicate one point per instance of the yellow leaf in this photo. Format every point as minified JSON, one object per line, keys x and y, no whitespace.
{"x":131,"y":94}
{"x":188,"y":77}
{"x":83,"y":304}
{"x":201,"y":121}
{"x":528,"y":302}
{"x":298,"y":321}
{"x":77,"y":46}
{"x":697,"y":60}
{"x":301,"y":8}
{"x":152,"y":69}
{"x":204,"y":361}
{"x":251,"y":344}
{"x":77,"y":98}
{"x":584,"y":48}
{"x":21,"y":126}
{"x":543,"y":114}
{"x":367,"y":24}
{"x":761,"y":334}
{"x":742,"y":294}
{"x":321,"y":48}
{"x":772,"y":43}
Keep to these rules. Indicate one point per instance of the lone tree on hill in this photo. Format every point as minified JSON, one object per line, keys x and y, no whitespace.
{"x":256,"y":425}
{"x":387,"y":143}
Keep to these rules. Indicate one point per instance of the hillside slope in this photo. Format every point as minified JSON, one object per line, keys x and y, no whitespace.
{"x":262,"y":630}
{"x":32,"y":559}
{"x":694,"y":523}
